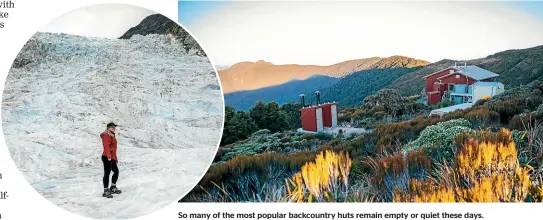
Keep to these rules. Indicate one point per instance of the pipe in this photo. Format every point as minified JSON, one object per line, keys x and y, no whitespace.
{"x":318,"y":97}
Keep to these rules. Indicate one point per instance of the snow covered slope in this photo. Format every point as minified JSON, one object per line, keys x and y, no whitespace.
{"x":63,"y":89}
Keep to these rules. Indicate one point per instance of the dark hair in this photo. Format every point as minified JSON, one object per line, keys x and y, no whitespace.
{"x":111,"y":124}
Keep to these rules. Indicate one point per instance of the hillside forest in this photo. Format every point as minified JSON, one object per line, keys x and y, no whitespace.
{"x":491,"y":152}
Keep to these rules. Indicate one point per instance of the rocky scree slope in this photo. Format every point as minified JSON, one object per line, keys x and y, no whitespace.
{"x":160,"y":24}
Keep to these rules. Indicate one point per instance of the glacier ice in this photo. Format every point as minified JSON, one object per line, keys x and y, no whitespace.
{"x":63,"y":89}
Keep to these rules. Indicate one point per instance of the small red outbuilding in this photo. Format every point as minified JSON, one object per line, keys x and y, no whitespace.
{"x":316,"y":118}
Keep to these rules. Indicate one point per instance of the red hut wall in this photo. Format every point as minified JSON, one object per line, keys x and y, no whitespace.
{"x":434,"y":97}
{"x":309,"y":119}
{"x":327,"y":115}
{"x":462,"y":79}
{"x":430,"y":80}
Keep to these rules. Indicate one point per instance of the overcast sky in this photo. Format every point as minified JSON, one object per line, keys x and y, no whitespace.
{"x":329,"y":32}
{"x":105,"y":20}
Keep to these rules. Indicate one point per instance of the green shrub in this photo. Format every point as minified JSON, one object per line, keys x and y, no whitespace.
{"x":374,"y":110}
{"x":445,"y":103}
{"x":367,"y":122}
{"x":286,"y":139}
{"x":379,"y":115}
{"x":244,"y":149}
{"x":482,"y":116}
{"x":261,"y":132}
{"x":402,"y":132}
{"x":324,"y":136}
{"x":521,"y":122}
{"x":439,"y":139}
{"x":457,"y":114}
{"x":515,"y":101}
{"x":264,"y":141}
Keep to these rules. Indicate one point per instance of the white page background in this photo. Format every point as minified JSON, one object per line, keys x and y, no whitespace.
{"x":26,"y":203}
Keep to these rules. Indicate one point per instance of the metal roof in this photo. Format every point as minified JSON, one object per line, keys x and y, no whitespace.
{"x":488,"y":84}
{"x":453,"y":108}
{"x":431,"y":74}
{"x":476,"y":72}
{"x":320,"y":105}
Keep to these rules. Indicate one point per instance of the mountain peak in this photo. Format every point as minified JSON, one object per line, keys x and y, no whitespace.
{"x":398,"y":61}
{"x":250,"y":76}
{"x":263,"y":62}
{"x":162,"y":25}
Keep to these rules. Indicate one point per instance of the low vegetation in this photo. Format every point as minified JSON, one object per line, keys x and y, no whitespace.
{"x":492,"y":152}
{"x":266,"y":141}
{"x":485,"y":170}
{"x":326,"y":179}
{"x":385,"y":106}
{"x":239,"y":125}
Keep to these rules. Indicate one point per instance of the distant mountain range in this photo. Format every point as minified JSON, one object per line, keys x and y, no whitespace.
{"x":347,"y":89}
{"x":255,"y":75}
{"x":337,"y":83}
{"x":289,"y":91}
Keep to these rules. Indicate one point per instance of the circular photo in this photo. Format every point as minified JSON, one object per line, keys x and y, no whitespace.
{"x":112,"y":111}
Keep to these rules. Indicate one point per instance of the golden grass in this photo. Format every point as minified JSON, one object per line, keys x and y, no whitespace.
{"x":320,"y":180}
{"x":425,"y":191}
{"x":484,"y":171}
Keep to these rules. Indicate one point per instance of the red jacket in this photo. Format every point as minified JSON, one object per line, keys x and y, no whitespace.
{"x":110,"y":146}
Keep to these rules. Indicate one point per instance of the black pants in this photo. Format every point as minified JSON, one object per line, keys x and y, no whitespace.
{"x":108,"y":167}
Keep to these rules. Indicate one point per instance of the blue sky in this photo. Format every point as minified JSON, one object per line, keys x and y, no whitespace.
{"x":533,"y":8}
{"x":190,"y":11}
{"x":325,"y":33}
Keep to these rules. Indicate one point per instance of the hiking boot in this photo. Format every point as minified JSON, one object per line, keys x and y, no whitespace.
{"x":114,"y":190}
{"x":107,"y":194}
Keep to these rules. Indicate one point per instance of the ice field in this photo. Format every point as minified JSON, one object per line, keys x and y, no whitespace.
{"x":63,"y":89}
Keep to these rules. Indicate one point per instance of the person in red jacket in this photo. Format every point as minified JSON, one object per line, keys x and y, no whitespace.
{"x":109,"y":158}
